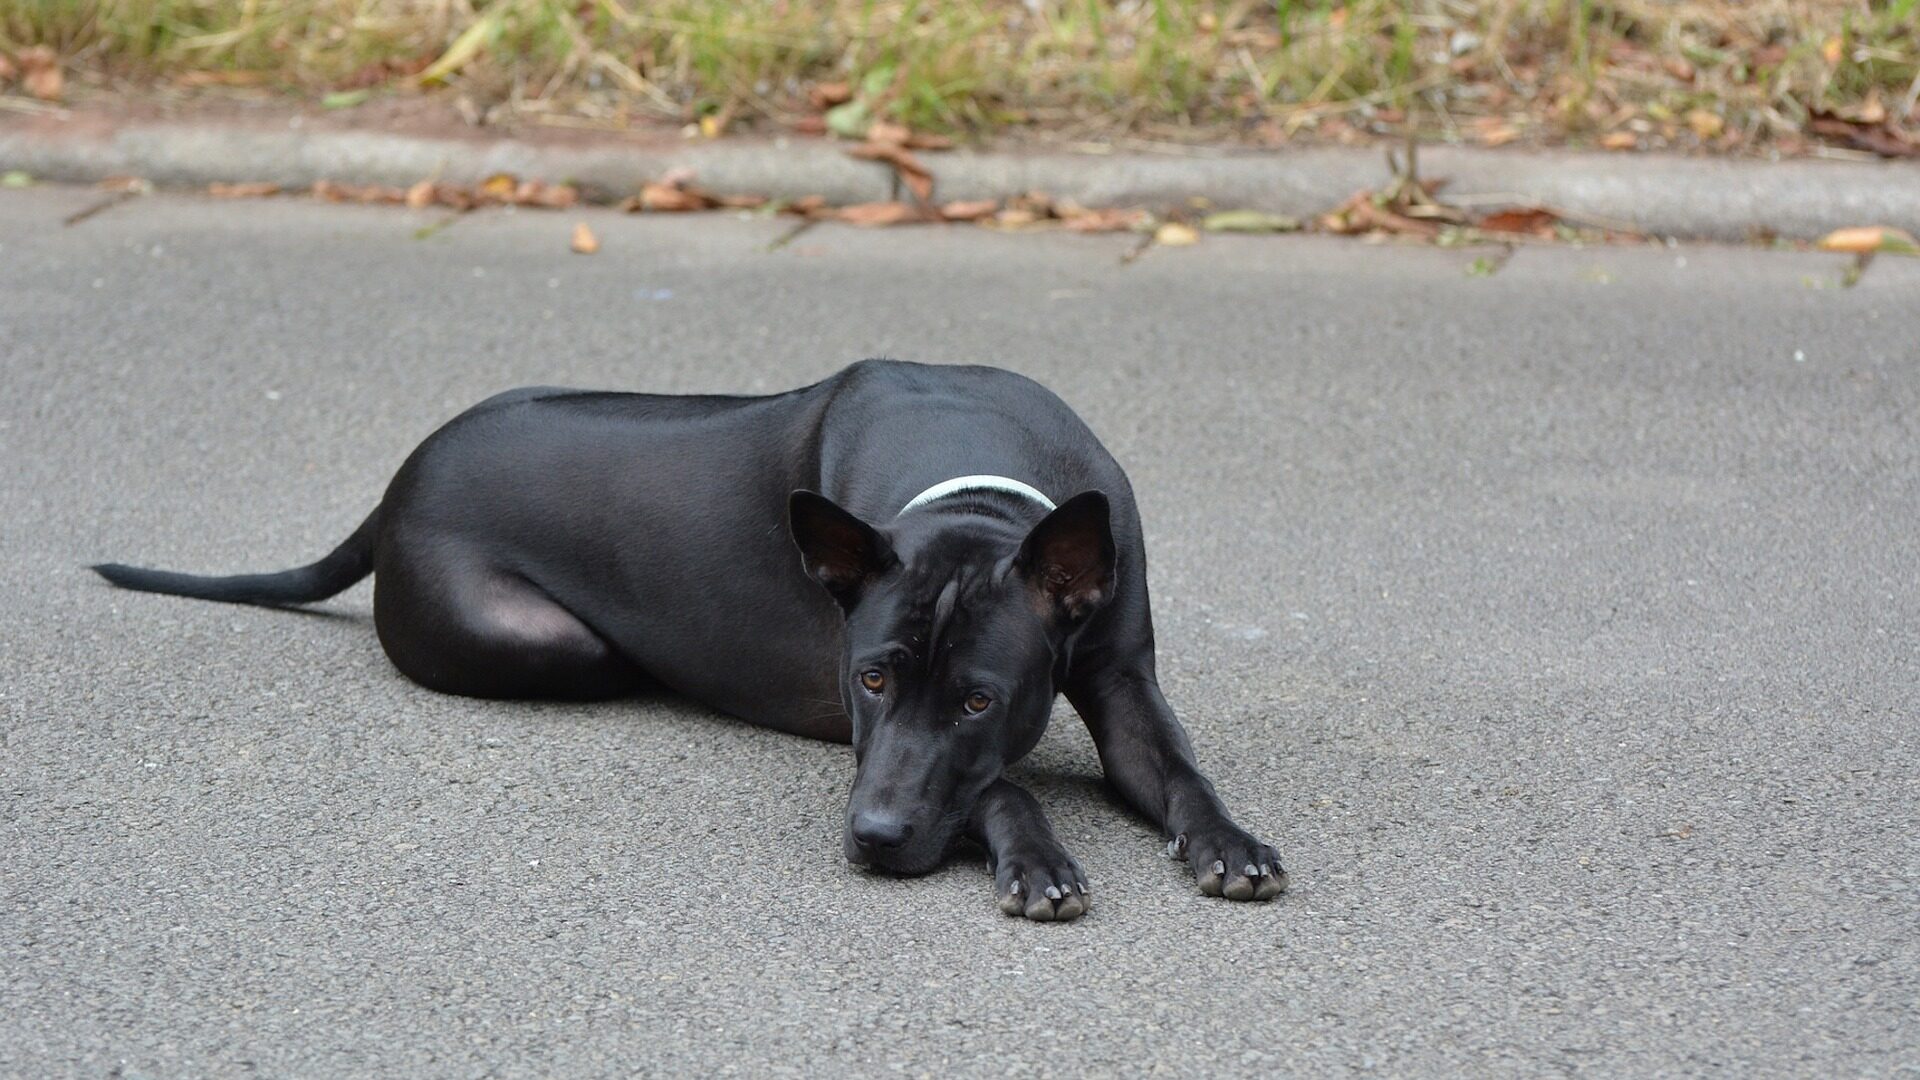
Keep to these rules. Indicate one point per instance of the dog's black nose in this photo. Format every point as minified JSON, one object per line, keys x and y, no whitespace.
{"x":880,"y":831}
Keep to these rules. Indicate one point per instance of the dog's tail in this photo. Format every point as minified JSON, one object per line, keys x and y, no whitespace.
{"x":348,"y":563}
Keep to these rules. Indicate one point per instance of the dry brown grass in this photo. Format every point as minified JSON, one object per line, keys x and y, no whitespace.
{"x":1719,"y":74}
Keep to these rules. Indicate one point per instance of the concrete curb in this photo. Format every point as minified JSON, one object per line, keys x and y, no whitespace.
{"x":1668,"y":196}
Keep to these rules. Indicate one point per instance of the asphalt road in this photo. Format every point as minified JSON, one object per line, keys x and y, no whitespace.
{"x":1560,"y":625}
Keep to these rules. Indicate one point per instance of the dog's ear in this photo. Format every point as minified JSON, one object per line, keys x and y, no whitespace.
{"x":839,"y":551}
{"x":1068,"y":557}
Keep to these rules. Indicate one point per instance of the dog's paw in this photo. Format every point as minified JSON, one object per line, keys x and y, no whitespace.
{"x":1045,"y":886}
{"x":1228,"y":862}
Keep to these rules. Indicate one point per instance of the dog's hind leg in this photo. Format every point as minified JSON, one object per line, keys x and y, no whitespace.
{"x":483,"y":632}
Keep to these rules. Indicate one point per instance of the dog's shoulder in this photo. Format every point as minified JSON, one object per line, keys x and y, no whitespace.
{"x":960,"y":382}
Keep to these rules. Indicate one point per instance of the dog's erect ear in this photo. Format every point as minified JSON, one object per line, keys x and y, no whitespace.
{"x":838,"y":550}
{"x":1068,"y":557}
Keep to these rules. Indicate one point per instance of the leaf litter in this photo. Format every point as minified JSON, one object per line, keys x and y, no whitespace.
{"x":1409,"y":208}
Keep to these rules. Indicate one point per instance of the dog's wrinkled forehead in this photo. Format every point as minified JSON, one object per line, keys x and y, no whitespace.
{"x":947,"y":611}
{"x":934,"y":607}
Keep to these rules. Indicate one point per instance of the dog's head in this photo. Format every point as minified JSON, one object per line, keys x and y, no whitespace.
{"x":954,"y":626}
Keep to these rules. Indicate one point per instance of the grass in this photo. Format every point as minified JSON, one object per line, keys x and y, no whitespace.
{"x":1552,"y":70}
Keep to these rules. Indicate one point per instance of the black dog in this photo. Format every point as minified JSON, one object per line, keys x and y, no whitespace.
{"x":560,"y":543}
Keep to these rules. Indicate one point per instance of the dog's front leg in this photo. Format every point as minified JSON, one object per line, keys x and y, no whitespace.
{"x":1148,"y":759}
{"x":1032,"y":873}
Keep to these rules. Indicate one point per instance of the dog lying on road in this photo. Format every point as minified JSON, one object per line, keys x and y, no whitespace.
{"x":553,"y":543}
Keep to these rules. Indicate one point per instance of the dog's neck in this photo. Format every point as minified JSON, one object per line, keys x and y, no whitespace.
{"x":962,"y":484}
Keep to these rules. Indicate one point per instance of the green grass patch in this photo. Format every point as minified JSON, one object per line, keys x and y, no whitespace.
{"x":1158,"y":68}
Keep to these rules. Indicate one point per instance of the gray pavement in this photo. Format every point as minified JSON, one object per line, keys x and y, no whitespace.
{"x":1559,"y":625}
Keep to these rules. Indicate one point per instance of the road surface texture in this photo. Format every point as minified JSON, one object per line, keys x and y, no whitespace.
{"x":1560,"y":626}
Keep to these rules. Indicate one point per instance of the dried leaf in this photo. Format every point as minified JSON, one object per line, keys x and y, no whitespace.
{"x":584,"y":242}
{"x":498,"y":188}
{"x":256,"y":190}
{"x":1881,"y":239}
{"x":1106,"y":220}
{"x":888,"y":132}
{"x":970,"y":210}
{"x":1499,"y":135}
{"x":1362,"y":213}
{"x":40,"y":73}
{"x":918,"y":141}
{"x":370,"y":74}
{"x":1619,"y":140}
{"x":1249,"y":221}
{"x":1037,"y":203}
{"x":879,"y":213}
{"x":1532,"y":220}
{"x":1872,"y":110}
{"x":420,"y":195}
{"x":1340,"y":220}
{"x":1174,"y":234}
{"x":905,"y":165}
{"x":1884,"y":138}
{"x":662,"y":197}
{"x":538,"y":193}
{"x":826,"y":95}
{"x":8,"y":71}
{"x":331,"y":191}
{"x":1705,"y":123}
{"x":454,"y":196}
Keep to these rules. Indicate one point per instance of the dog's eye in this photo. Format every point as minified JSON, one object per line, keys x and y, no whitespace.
{"x":873,"y":680}
{"x":977,"y":702}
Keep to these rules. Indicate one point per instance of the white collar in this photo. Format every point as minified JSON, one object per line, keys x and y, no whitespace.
{"x":976,"y":483}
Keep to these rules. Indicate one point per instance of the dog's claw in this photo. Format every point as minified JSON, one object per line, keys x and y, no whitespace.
{"x":1210,"y":881}
{"x":1041,"y":887}
{"x":1257,"y":873}
{"x":1271,"y":885}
